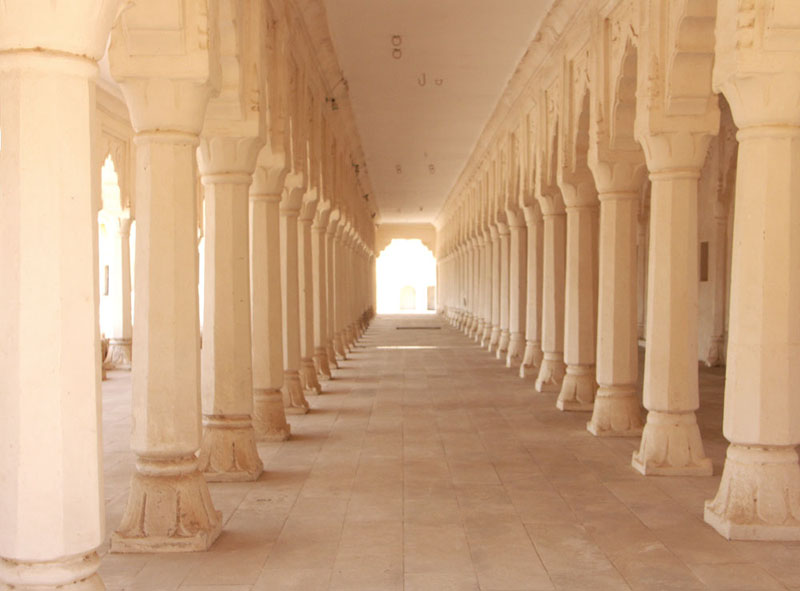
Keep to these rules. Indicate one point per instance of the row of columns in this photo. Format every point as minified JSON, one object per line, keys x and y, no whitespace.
{"x":588,"y":329}
{"x":280,"y":291}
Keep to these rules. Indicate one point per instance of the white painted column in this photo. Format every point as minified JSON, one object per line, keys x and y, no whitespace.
{"x":719,"y":249}
{"x":294,"y":399}
{"x":642,"y":249}
{"x":320,"y":261}
{"x":51,"y":492}
{"x":518,"y":288}
{"x":580,"y":305}
{"x":476,"y":288}
{"x":269,"y":417}
{"x":169,"y":507}
{"x":308,"y":373}
{"x":617,"y":409}
{"x":532,"y":358}
{"x":505,"y":292}
{"x":495,"y":287}
{"x":671,"y":443}
{"x":119,"y":290}
{"x":339,"y":301}
{"x":228,"y":451}
{"x":487,"y":288}
{"x":330,"y":253}
{"x":552,"y":369}
{"x":759,"y":494}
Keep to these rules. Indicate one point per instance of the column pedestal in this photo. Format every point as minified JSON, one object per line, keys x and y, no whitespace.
{"x":617,"y":412}
{"x":671,"y":446}
{"x":169,"y":509}
{"x":758,"y":496}
{"x":551,"y":372}
{"x":294,"y":401}
{"x":119,"y":354}
{"x":531,"y":359}
{"x":269,"y":416}
{"x":228,"y":452}
{"x":577,"y":389}
{"x":70,"y":573}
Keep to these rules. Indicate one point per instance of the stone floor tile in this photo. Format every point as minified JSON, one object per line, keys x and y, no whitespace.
{"x":439,"y":469}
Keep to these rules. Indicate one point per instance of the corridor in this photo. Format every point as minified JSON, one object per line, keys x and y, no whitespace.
{"x":427,"y":465}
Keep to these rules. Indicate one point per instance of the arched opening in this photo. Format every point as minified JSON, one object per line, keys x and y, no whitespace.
{"x":406,"y":278}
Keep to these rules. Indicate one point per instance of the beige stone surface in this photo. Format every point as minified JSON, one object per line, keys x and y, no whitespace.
{"x":430,"y":466}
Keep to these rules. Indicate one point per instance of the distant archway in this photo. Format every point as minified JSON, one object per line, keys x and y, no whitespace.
{"x":406,"y":278}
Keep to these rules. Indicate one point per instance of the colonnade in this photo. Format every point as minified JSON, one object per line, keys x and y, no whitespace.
{"x":617,"y":139}
{"x":234,"y":97}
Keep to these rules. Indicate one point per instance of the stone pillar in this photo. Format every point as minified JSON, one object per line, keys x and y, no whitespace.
{"x":551,"y":371}
{"x":617,"y":410}
{"x":51,"y":492}
{"x":331,"y":295}
{"x":580,"y":298}
{"x":759,"y":494}
{"x":308,"y":373}
{"x":671,"y":443}
{"x":714,"y":355}
{"x":487,"y":289}
{"x":169,"y":507}
{"x":518,"y":265}
{"x":320,"y":261}
{"x":295,"y":401}
{"x":505,"y":293}
{"x":269,"y":417}
{"x":642,"y":248}
{"x":476,"y":288}
{"x":119,"y":341}
{"x":495,"y":287}
{"x":339,"y":302}
{"x":532,"y":359}
{"x":228,"y":452}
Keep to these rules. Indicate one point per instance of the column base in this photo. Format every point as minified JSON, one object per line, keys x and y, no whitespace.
{"x":516,"y":347}
{"x":169,"y":509}
{"x":332,"y":363}
{"x":70,"y":573}
{"x":616,"y":413}
{"x":551,"y":373}
{"x":486,"y":334}
{"x":119,"y":354}
{"x":228,"y":452}
{"x":308,"y":377}
{"x":502,"y":344}
{"x":494,"y":338}
{"x":269,"y":418}
{"x":577,"y":389}
{"x":531,"y":359}
{"x":338,"y":346}
{"x":321,"y":363}
{"x":478,"y":332}
{"x":671,"y":446}
{"x":294,"y":402}
{"x":714,"y":354}
{"x":758,"y":496}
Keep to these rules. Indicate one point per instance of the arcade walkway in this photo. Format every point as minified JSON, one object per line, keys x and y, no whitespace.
{"x":427,"y":465}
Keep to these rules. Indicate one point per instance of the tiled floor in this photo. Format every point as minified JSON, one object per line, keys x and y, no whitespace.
{"x":427,"y":465}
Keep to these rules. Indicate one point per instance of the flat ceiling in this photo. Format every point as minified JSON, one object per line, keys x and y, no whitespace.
{"x":424,"y":77}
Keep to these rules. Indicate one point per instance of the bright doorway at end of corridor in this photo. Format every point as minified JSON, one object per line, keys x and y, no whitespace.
{"x":406,"y":278}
